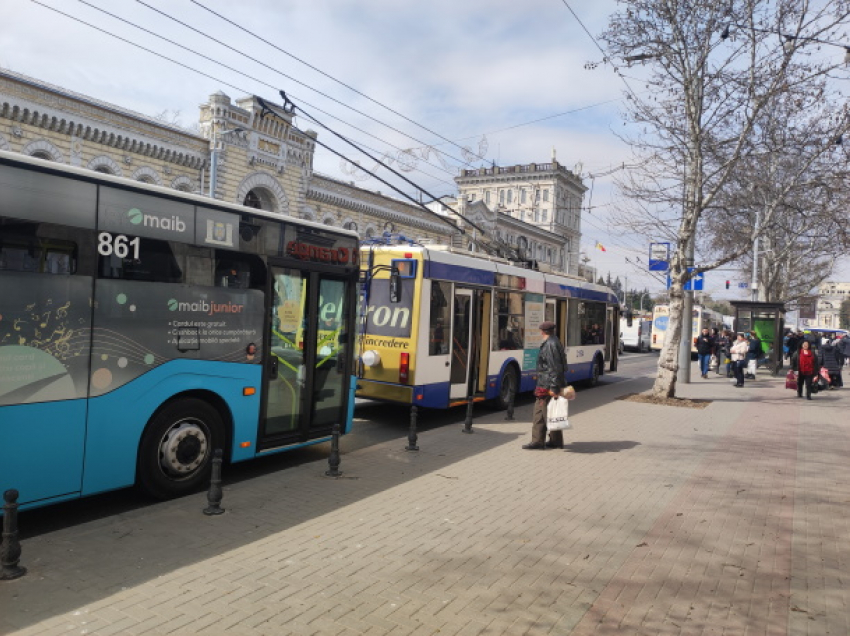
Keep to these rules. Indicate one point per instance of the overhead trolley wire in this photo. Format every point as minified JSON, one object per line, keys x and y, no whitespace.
{"x":230,"y":68}
{"x":289,"y":77}
{"x":318,"y":70}
{"x":323,"y":145}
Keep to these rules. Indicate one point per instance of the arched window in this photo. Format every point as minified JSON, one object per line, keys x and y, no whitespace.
{"x":41,"y":154}
{"x":351,"y":225}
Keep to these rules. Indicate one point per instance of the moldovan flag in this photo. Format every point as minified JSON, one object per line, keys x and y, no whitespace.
{"x":599,"y":246}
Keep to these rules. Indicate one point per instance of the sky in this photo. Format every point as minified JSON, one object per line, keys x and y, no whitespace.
{"x":504,"y":80}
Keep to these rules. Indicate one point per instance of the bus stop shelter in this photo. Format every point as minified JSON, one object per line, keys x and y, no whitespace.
{"x":767,"y":321}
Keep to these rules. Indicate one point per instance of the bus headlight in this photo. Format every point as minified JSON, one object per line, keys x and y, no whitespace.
{"x":371,"y":358}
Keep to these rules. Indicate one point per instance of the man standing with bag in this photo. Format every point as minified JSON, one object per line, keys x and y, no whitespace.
{"x":551,"y":368}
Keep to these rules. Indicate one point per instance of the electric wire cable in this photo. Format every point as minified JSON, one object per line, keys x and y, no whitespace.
{"x":299,"y":82}
{"x":418,"y":204}
{"x":264,"y":83}
{"x":351,"y":88}
{"x":395,"y":172}
{"x":224,"y":66}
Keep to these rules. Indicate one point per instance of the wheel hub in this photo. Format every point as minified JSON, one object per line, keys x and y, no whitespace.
{"x":183,"y":449}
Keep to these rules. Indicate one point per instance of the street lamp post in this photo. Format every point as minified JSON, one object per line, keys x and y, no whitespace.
{"x":214,"y":157}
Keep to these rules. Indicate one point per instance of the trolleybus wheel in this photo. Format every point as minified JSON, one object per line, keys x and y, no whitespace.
{"x":177,"y":447}
{"x":593,"y":380}
{"x":507,"y":388}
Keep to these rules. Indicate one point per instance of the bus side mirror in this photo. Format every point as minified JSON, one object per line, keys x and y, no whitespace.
{"x":629,"y":317}
{"x":395,"y":286}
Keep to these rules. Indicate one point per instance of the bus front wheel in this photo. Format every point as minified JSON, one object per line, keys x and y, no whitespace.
{"x":175,"y":456}
{"x":508,"y":387}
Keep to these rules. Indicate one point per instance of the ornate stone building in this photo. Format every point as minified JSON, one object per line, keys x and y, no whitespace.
{"x":545,"y":196}
{"x":830,"y":296}
{"x":45,"y":121}
{"x":248,"y":151}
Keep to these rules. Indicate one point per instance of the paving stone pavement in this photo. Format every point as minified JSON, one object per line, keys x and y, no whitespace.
{"x":654,"y":520}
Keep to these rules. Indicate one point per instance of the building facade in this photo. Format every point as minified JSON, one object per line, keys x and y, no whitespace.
{"x":547,"y":197}
{"x":830,"y":296}
{"x":248,"y":151}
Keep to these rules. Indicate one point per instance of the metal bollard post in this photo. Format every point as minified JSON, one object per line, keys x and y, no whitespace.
{"x":411,"y":434}
{"x":215,"y":492}
{"x":510,"y":414}
{"x":333,"y":459}
{"x":10,"y":549}
{"x":467,"y":425}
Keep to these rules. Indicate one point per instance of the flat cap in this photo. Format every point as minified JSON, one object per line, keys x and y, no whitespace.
{"x":547,"y":326}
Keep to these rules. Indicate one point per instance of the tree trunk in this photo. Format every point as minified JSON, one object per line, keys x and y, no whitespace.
{"x":668,"y":363}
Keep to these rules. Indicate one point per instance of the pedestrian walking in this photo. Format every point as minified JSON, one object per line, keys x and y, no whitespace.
{"x":551,"y":371}
{"x":831,"y":360}
{"x":705,"y":347}
{"x":805,"y":362}
{"x":844,"y":347}
{"x":738,"y":354}
{"x":724,"y":343}
{"x":754,"y":353}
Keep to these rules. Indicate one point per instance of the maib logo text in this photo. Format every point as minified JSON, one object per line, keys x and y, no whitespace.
{"x":171,"y":223}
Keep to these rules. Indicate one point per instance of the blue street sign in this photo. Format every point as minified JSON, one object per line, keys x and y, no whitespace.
{"x":659,"y":257}
{"x":695,"y":283}
{"x":743,"y":285}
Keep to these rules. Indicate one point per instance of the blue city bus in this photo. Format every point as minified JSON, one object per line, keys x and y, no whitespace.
{"x":142,"y":328}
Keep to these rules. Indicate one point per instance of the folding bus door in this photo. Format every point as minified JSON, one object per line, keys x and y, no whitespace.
{"x":307,"y":381}
{"x":461,"y":343}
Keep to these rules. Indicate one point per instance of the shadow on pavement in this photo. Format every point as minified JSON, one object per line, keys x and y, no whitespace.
{"x":613,"y":446}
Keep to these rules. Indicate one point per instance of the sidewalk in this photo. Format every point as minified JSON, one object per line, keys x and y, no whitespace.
{"x":655,"y":520}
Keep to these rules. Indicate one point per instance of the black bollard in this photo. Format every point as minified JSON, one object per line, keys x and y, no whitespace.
{"x":510,"y":414}
{"x":10,"y":549}
{"x":411,"y":434}
{"x":467,"y":425}
{"x":215,"y":492}
{"x":333,"y":459}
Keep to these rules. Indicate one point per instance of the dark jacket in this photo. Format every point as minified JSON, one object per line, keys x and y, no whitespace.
{"x":793,"y":344}
{"x":844,"y":346}
{"x":723,"y":346}
{"x":551,"y":365}
{"x":829,"y":357}
{"x":754,"y":352}
{"x":795,"y":360}
{"x":705,"y":345}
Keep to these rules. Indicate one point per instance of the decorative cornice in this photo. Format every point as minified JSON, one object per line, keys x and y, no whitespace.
{"x":23,"y":103}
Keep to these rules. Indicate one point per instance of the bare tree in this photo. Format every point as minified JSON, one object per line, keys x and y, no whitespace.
{"x":716,"y":68}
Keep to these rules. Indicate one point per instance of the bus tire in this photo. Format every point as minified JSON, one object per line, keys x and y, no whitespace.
{"x":175,"y":454}
{"x":508,"y":388}
{"x":593,"y":380}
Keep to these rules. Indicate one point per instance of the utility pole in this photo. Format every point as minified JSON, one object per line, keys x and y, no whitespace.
{"x":754,"y":283}
{"x":687,"y":322}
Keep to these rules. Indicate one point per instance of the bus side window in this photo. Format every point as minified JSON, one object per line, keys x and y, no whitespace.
{"x":439,"y":320}
{"x":239,"y":271}
{"x":25,"y":248}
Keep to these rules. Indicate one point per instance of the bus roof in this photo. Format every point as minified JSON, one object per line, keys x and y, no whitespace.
{"x":59,"y":169}
{"x":461,"y":267}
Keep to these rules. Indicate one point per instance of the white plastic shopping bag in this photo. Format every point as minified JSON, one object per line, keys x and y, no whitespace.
{"x":557,"y":415}
{"x":751,"y":367}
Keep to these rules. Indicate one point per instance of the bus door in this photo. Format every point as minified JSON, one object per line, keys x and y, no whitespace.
{"x":461,"y":343}
{"x":306,"y":382}
{"x":612,"y":342}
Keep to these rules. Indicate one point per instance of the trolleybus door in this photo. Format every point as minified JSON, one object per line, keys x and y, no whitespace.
{"x":461,"y":343}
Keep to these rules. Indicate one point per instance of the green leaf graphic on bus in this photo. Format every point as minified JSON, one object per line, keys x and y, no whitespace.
{"x":172,"y":304}
{"x":135,"y":215}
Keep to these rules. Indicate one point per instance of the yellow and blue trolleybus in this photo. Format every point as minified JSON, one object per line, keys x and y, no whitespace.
{"x":438,"y":327}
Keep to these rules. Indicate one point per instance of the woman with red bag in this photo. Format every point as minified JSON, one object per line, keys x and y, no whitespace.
{"x":805,"y":362}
